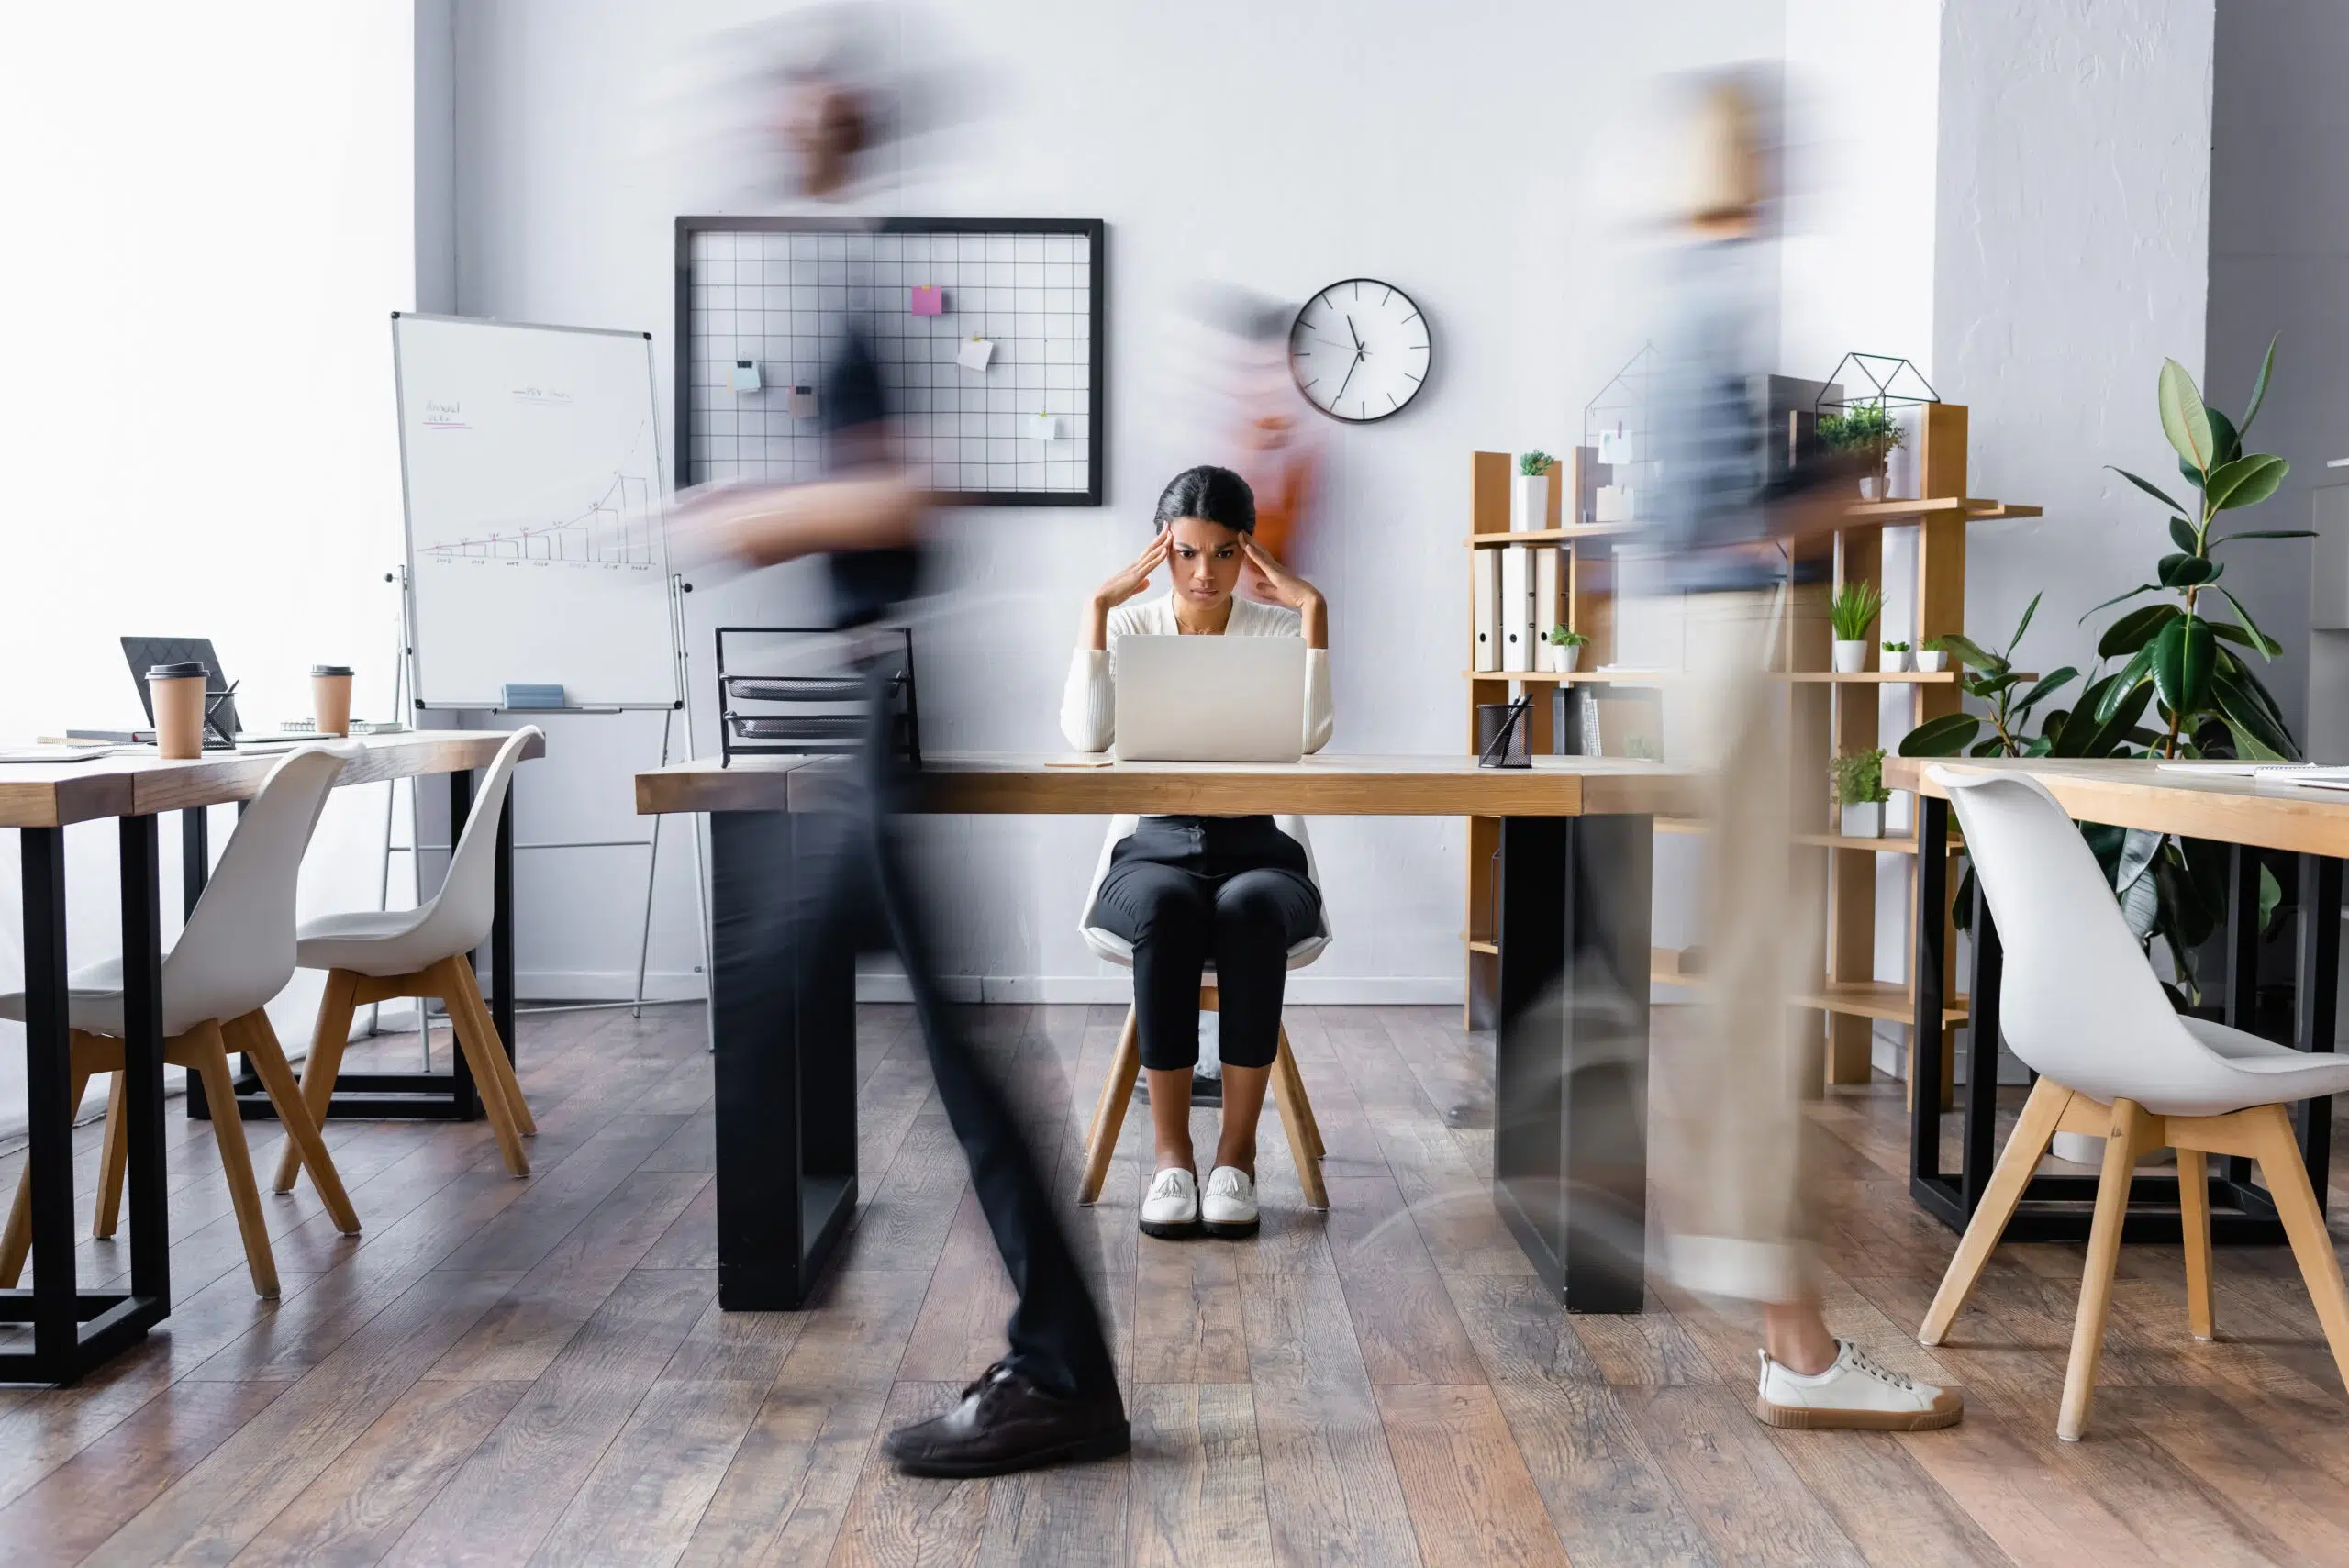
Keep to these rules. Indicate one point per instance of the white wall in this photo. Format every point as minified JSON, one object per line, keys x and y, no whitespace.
{"x":212,"y":224}
{"x":2279,"y":250}
{"x":1468,"y":154}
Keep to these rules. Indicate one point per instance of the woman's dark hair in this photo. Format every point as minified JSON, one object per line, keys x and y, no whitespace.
{"x":1210,"y":494}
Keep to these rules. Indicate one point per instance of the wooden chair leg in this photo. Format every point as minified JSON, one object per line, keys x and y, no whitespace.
{"x":2096,"y":1279}
{"x":114,"y":1157}
{"x":1110,"y":1119}
{"x":2288,"y":1186}
{"x":1128,"y":1035}
{"x":2194,"y":1222}
{"x":477,"y":1045}
{"x":1293,"y":1085}
{"x":2029,"y":1141}
{"x":254,"y":1037}
{"x":470,"y":998}
{"x":329,"y":1038}
{"x":17,"y":1243}
{"x":209,"y":1056}
{"x":1285,"y":1099}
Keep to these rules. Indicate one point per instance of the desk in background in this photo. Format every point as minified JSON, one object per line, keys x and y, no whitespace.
{"x":2249,"y":812}
{"x":75,"y":1330}
{"x":1569,"y":1153}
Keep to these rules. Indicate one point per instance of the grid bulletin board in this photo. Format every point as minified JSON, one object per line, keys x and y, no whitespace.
{"x":1026,"y":430}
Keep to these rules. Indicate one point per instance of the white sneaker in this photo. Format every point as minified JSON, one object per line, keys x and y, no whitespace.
{"x":1229,"y":1209}
{"x":1853,"y":1394}
{"x":1170,"y":1210}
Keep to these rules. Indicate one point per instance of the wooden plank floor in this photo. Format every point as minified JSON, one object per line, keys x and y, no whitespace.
{"x":536,"y":1372}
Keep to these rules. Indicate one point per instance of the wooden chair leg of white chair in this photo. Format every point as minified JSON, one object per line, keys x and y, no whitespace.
{"x":2096,"y":1279}
{"x":209,"y":1056}
{"x":329,"y":1038}
{"x":2040,"y":1113}
{"x":2194,"y":1224}
{"x":1129,"y":1036}
{"x":1309,"y":1169}
{"x":2295,"y":1199}
{"x":17,"y":1243}
{"x":486,"y":1081}
{"x":114,"y":1156}
{"x":1293,"y":1085}
{"x":494,"y":1046}
{"x":1116,"y":1094}
{"x":258,"y":1041}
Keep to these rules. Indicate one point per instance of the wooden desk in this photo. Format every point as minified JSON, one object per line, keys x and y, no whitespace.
{"x":2253,"y":813}
{"x":75,"y":1330}
{"x":1569,"y":1150}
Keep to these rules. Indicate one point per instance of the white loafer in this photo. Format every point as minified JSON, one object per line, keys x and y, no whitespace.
{"x":1170,"y":1210}
{"x":1228,"y":1208}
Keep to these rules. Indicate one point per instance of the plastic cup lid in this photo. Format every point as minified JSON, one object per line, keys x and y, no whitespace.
{"x":192,"y":669}
{"x":329,"y":669}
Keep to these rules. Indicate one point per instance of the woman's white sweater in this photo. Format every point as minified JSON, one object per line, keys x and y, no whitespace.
{"x":1089,"y":704}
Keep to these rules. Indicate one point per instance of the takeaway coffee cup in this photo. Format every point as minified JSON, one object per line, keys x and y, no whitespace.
{"x":330,"y":697}
{"x":176,"y":692}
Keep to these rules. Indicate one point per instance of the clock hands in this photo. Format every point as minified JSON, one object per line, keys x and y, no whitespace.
{"x":1349,"y":376}
{"x":1359,"y":349}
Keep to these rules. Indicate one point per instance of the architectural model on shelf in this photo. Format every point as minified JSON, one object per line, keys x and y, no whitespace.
{"x":1832,"y":713}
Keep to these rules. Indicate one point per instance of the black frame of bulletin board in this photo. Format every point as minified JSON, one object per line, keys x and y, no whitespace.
{"x":1093,"y":230}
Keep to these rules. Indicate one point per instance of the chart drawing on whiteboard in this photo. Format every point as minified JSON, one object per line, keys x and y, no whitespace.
{"x":532,"y":463}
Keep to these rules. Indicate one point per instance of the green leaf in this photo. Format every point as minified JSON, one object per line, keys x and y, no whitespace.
{"x":2149,"y":488}
{"x":1943,"y":737}
{"x":1966,"y":651}
{"x":2048,"y":686}
{"x":2118,"y":689}
{"x":2225,"y":444}
{"x":2181,"y":534}
{"x":2185,"y":570}
{"x":2134,"y":630}
{"x":2184,"y":420}
{"x":2183,"y":655}
{"x":1990,"y":745}
{"x":2271,"y":895}
{"x":2245,"y":482}
{"x":2268,"y":647}
{"x":2140,"y":588}
{"x":2217,"y":540}
{"x":2023,"y":625}
{"x":2258,"y":737}
{"x":2259,"y":388}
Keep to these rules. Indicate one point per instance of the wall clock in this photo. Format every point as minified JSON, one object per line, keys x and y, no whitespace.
{"x":1360,"y":350}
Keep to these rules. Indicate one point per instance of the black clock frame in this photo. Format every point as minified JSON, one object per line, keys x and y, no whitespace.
{"x":1299,"y":320}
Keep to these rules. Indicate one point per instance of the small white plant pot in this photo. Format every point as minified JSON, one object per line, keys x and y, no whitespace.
{"x":1862,"y":822}
{"x":1930,"y":661}
{"x":1559,"y":660}
{"x":1896,"y":659}
{"x":1851,"y":658}
{"x":1872,"y":488}
{"x":1530,"y":502}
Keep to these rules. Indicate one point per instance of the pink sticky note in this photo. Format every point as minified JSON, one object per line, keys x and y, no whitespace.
{"x":928,"y":300}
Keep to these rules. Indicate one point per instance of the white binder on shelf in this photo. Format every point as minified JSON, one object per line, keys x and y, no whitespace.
{"x":1547,"y":610}
{"x":1485,"y":586}
{"x":1517,"y":607}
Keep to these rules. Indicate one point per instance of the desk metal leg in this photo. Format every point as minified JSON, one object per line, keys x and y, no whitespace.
{"x":142,"y":1057}
{"x":2318,"y":983}
{"x":1928,"y":984}
{"x":75,"y":1330}
{"x":1571,"y":1053}
{"x":196,"y":869}
{"x":783,"y":1027}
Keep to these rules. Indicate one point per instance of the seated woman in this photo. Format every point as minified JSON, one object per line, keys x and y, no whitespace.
{"x":1188,"y":891}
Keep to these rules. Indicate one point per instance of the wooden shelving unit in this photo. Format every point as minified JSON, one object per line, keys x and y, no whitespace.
{"x":1831,"y":712}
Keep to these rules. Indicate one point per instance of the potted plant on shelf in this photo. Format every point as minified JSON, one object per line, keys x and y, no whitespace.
{"x":1934,"y":656}
{"x":1529,"y":499}
{"x":1562,"y":649}
{"x":1870,"y":431}
{"x":1896,"y":656}
{"x":1860,"y":794}
{"x":1853,"y":611}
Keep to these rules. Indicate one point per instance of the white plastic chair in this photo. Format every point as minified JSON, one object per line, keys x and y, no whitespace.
{"x":2080,"y":1006}
{"x":372,"y":955}
{"x":234,"y":954}
{"x":1288,"y":1087}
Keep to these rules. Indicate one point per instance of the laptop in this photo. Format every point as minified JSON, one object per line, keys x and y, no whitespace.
{"x":1210,"y":699}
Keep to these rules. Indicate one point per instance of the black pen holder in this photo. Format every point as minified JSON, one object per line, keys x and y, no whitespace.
{"x":1504,"y":734}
